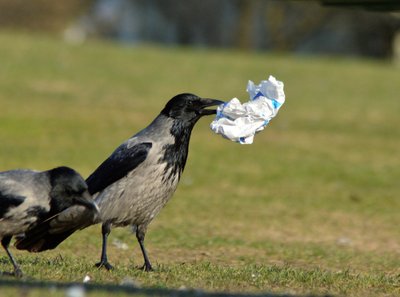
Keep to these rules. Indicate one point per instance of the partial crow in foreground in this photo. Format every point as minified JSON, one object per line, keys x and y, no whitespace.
{"x":136,"y":181}
{"x":28,"y":198}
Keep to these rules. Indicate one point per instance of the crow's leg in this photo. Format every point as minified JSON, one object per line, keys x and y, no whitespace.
{"x":140,"y":234}
{"x":5,"y":242}
{"x":105,"y":231}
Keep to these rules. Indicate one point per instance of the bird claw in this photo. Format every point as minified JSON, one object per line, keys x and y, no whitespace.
{"x":147,"y":267}
{"x":18,"y":273}
{"x":104,"y":264}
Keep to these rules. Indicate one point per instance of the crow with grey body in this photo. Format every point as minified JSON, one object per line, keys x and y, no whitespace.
{"x":136,"y":181}
{"x":28,"y":198}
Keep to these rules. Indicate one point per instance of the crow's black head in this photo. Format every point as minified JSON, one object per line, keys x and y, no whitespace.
{"x":185,"y":110}
{"x":69,"y":188}
{"x":188,"y":107}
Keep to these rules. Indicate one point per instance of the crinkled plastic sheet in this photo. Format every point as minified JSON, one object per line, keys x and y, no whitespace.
{"x":240,"y":122}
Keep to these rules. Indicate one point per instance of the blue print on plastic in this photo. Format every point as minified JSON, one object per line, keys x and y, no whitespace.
{"x":276,"y":104}
{"x":259,"y":94}
{"x":220,"y":112}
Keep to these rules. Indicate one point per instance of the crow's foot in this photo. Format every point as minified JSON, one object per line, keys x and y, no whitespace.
{"x":104,"y":264}
{"x":17,"y":273}
{"x":147,"y":267}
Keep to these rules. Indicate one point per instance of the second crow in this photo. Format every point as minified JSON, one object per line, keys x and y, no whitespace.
{"x":28,"y":198}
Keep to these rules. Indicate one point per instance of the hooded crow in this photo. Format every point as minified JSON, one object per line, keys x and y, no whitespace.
{"x":28,"y":198}
{"x":136,"y":181}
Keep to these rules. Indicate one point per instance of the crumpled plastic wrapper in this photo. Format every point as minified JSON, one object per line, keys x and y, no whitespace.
{"x":240,"y":122}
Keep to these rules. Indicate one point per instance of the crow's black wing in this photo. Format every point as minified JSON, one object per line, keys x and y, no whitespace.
{"x":8,"y":201}
{"x":50,"y":232}
{"x":117,"y":166}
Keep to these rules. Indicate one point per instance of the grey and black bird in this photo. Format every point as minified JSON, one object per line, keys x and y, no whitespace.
{"x":136,"y":181}
{"x":28,"y":198}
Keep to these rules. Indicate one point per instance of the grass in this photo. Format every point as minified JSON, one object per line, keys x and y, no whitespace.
{"x":310,"y":208}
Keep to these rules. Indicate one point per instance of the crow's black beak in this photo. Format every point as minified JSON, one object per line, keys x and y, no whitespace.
{"x":86,"y":200}
{"x":207,"y":102}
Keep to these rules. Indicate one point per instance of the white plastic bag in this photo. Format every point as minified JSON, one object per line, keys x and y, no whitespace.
{"x":240,"y":122}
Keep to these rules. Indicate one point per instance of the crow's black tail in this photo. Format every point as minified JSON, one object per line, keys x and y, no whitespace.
{"x":40,"y":239}
{"x":50,"y":233}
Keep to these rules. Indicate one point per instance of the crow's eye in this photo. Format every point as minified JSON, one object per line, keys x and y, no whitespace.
{"x":190,"y":106}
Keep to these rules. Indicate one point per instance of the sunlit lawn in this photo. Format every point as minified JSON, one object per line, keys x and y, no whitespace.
{"x":311,"y":207}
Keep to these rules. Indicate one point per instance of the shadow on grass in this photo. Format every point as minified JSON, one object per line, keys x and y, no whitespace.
{"x":128,"y":289}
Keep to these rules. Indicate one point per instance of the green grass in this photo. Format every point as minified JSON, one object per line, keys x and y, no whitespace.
{"x":310,"y":208}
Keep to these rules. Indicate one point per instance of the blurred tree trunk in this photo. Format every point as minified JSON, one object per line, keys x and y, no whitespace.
{"x":246,"y":10}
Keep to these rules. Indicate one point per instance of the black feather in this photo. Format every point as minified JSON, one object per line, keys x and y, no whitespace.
{"x":176,"y":154}
{"x":118,"y":165}
{"x":39,"y":238}
{"x":9,"y":201}
{"x":37,"y":211}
